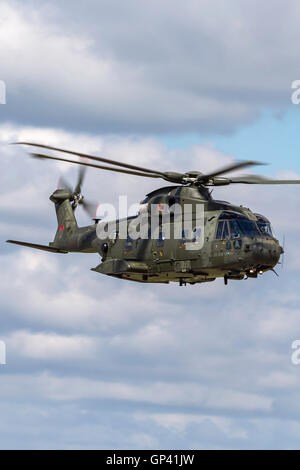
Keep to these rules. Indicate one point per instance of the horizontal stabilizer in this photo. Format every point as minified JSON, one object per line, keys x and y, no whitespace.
{"x":37,"y":247}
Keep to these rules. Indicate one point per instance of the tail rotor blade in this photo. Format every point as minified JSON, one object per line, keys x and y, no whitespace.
{"x":81,"y":176}
{"x":283,"y":248}
{"x":90,"y":207}
{"x":63,"y":184}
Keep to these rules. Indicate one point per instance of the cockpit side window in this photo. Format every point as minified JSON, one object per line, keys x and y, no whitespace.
{"x":220,"y":230}
{"x":225,"y":234}
{"x":235,"y":229}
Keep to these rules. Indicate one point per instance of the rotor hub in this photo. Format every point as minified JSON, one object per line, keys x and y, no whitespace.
{"x":78,"y":198}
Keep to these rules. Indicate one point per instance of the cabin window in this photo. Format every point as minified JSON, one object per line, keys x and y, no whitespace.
{"x":196,"y":235}
{"x":184,"y":235}
{"x":128,"y":243}
{"x":161,"y":239}
{"x":113,"y":236}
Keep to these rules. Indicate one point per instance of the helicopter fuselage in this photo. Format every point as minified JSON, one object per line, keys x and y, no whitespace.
{"x":232,"y":242}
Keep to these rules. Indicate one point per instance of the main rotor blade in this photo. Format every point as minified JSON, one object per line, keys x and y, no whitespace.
{"x":255,"y":179}
{"x":228,"y":168}
{"x":92,"y":157}
{"x":101,"y":167}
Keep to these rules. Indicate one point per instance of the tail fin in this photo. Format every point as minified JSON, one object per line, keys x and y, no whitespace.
{"x":67,"y":223}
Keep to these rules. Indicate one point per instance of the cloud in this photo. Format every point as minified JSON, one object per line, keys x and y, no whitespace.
{"x":279,"y":380}
{"x":158,"y":393}
{"x":43,"y":346}
{"x":88,"y":354}
{"x":179,"y":423}
{"x":95,"y":362}
{"x":152,"y":68}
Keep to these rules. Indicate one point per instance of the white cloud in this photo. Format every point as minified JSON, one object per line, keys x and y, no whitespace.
{"x":221,"y":351}
{"x":179,"y":422}
{"x":280,"y":380}
{"x":158,"y":393}
{"x":192,"y":70}
{"x":49,"y":346}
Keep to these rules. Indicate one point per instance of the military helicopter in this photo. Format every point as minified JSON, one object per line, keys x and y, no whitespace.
{"x":230,"y":242}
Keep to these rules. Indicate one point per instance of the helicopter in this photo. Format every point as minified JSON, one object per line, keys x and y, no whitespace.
{"x":222,"y":240}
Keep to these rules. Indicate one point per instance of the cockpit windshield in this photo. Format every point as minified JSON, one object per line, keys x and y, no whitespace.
{"x":235,"y":226}
{"x":265,"y":228}
{"x":249,"y":228}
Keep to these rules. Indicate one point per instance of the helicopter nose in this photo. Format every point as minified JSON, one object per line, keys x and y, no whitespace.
{"x":267,"y":253}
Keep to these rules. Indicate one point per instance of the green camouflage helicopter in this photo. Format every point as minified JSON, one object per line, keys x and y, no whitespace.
{"x":222,"y":240}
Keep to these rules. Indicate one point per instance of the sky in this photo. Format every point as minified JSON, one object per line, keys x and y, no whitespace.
{"x":98,"y":363}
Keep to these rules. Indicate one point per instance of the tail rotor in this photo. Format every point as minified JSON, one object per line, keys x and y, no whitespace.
{"x":283,"y":250}
{"x":77,"y":197}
